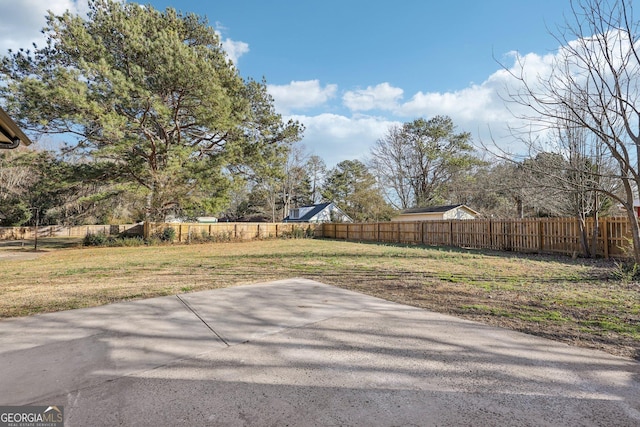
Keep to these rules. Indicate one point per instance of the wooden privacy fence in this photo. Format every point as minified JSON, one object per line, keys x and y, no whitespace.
{"x":530,"y":235}
{"x":227,"y":231}
{"x":22,"y":233}
{"x":184,"y":232}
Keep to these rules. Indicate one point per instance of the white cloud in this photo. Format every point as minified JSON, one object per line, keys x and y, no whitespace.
{"x":479,"y":109}
{"x":301,"y":95}
{"x":382,"y":96}
{"x":234,"y":49}
{"x":470,"y":103}
{"x":336,"y":137}
{"x":23,"y":20}
{"x":482,"y":109}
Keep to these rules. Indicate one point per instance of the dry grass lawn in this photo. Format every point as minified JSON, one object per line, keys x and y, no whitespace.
{"x":580,"y":302}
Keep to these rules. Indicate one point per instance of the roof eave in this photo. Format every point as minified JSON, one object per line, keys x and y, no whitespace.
{"x":12,"y":132}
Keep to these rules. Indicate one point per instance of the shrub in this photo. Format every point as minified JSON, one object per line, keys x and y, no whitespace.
{"x":298,"y":233}
{"x":102,"y":239}
{"x":95,"y":239}
{"x":626,"y":271}
{"x":167,"y":235}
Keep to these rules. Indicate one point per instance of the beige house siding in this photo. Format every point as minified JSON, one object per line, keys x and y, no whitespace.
{"x":460,"y":212}
{"x":418,"y":217}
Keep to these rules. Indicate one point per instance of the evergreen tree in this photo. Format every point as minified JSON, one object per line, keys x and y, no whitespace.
{"x":153,"y":94}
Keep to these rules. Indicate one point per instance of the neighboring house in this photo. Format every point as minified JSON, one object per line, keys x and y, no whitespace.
{"x":435,"y":213}
{"x":324,"y":212}
{"x":10,"y":134}
{"x":207,"y":219}
{"x":201,"y":219}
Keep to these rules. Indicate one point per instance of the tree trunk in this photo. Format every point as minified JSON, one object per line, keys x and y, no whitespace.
{"x":584,"y":240}
{"x":520,"y":207}
{"x":596,"y":231}
{"x":635,"y":233}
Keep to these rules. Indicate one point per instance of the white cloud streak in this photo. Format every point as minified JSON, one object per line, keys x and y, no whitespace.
{"x":234,"y":49}
{"x":301,"y":95}
{"x":380,"y":97}
{"x":23,"y":20}
{"x":336,"y":137}
{"x":479,"y":109}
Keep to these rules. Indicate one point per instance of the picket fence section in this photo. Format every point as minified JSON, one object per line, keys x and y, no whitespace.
{"x":229,"y":231}
{"x":183,"y":232}
{"x":28,"y":233}
{"x":529,"y":235}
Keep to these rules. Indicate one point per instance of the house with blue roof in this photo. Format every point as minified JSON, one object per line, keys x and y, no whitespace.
{"x":323,"y":212}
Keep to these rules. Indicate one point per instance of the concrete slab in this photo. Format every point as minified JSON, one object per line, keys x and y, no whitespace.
{"x":244,"y":313}
{"x":47,"y":354}
{"x":299,"y":352}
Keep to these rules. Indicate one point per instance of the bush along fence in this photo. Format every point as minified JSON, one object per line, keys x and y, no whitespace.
{"x":226,"y":231}
{"x":530,"y":235}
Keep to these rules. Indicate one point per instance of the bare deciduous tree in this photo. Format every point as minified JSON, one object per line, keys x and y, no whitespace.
{"x":418,"y":160}
{"x":594,"y":84}
{"x":389,"y":159}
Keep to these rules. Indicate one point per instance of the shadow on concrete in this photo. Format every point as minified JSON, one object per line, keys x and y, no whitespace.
{"x":302,"y":353}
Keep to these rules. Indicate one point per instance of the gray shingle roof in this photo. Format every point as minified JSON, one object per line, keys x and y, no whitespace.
{"x":313,"y":212}
{"x":431,"y":209}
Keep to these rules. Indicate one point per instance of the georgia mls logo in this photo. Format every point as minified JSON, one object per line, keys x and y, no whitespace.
{"x":31,"y":416}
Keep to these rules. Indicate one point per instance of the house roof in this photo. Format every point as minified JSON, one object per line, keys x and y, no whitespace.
{"x":309,"y":215}
{"x":436,"y":209}
{"x":10,"y":134}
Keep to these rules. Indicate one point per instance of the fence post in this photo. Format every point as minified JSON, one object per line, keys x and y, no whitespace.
{"x":450,"y":232}
{"x":605,"y":237}
{"x":491,"y":233}
{"x":540,"y":236}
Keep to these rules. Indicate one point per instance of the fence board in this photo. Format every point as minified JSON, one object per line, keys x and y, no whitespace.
{"x":23,"y":233}
{"x":184,"y":232}
{"x":235,"y":231}
{"x":528,"y":235}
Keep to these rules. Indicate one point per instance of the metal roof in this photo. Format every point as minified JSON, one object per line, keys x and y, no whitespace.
{"x":10,"y":134}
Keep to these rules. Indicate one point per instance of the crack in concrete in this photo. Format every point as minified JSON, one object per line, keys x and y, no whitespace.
{"x":194,"y":311}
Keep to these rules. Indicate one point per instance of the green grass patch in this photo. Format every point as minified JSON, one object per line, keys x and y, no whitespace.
{"x":485,"y":309}
{"x":555,"y":296}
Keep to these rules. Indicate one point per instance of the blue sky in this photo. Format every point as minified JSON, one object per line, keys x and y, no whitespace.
{"x":349,"y":69}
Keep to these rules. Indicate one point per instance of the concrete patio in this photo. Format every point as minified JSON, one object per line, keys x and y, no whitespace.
{"x":301,"y":353}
